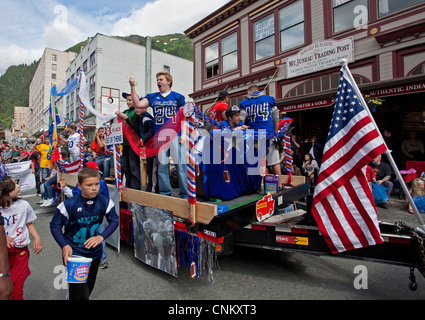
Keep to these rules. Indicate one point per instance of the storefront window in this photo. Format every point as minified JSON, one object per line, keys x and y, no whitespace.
{"x":321,"y":84}
{"x":291,"y":21}
{"x":390,"y":6}
{"x":211,"y":60}
{"x":419,"y":70}
{"x":229,"y":53}
{"x":264,"y":38}
{"x":347,"y":14}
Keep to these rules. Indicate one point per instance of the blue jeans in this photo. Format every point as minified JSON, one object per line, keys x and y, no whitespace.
{"x":106,"y":165}
{"x":44,"y":173}
{"x":178,"y":154}
{"x":48,"y":190}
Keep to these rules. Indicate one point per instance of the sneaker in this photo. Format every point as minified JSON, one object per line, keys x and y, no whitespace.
{"x":40,"y":201}
{"x":104,"y":264}
{"x":48,"y":203}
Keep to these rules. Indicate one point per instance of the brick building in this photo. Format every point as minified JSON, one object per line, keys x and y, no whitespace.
{"x":250,"y":42}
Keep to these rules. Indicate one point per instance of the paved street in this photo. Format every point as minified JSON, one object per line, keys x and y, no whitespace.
{"x":247,"y":274}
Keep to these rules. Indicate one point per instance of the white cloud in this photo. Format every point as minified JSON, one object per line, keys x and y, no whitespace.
{"x":29,"y":26}
{"x":165,"y":16}
{"x":15,"y":55}
{"x":62,"y":38}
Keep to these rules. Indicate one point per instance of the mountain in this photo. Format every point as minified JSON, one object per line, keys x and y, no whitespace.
{"x":15,"y":82}
{"x":176,"y":44}
{"x":14,"y":89}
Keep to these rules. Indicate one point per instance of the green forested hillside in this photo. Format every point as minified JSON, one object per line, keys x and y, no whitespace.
{"x":14,"y":89}
{"x":15,"y":82}
{"x":176,"y":44}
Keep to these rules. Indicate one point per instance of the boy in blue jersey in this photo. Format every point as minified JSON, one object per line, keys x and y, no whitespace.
{"x":261,"y":113}
{"x":81,"y":217}
{"x":165,"y":105}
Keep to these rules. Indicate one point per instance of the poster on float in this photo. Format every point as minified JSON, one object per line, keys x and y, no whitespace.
{"x":154,"y":238}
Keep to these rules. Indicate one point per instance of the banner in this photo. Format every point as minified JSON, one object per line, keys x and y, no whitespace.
{"x":21,"y":173}
{"x":84,"y":97}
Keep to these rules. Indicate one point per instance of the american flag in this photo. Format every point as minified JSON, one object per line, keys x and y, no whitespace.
{"x":343,"y":204}
{"x":68,"y":168}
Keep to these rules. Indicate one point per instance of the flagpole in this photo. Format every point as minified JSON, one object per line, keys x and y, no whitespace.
{"x":387,"y":152}
{"x":54,"y":137}
{"x":81,"y":126}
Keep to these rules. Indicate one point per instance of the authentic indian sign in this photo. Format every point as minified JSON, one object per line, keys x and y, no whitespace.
{"x":320,"y":56}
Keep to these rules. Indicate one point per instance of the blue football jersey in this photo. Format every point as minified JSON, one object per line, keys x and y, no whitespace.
{"x":258,"y":109}
{"x":165,"y":108}
{"x":81,"y":219}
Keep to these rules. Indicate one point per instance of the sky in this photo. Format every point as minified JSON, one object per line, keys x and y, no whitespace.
{"x":27,"y":27}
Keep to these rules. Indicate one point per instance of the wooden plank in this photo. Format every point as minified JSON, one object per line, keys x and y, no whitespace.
{"x":71,"y":179}
{"x":296,"y":180}
{"x":180,"y":207}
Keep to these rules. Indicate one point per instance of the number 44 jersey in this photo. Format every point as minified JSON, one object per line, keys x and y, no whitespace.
{"x":259,"y":109}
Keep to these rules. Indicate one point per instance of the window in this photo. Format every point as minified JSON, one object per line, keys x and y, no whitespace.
{"x":346,"y":13}
{"x":167,"y":69}
{"x":54,"y":57}
{"x":390,"y":6}
{"x":85,"y":66}
{"x":419,"y":70}
{"x":54,"y":67}
{"x":221,"y":56}
{"x":229,"y":53}
{"x":291,"y":24}
{"x":92,"y":59}
{"x":264,"y":38}
{"x":320,"y":84}
{"x":211,"y":60}
{"x":53,"y":75}
{"x":92,"y":82}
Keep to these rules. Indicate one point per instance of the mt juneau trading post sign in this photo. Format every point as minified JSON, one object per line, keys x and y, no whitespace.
{"x":320,"y":56}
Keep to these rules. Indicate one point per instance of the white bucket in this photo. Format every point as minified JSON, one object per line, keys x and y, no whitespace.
{"x":78,"y":269}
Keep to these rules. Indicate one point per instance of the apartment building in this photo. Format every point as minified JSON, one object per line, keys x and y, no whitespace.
{"x":265,"y":43}
{"x":50,"y":71}
{"x":20,"y":121}
{"x":108,"y":63}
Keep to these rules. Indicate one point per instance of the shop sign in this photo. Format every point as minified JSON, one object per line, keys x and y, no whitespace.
{"x":399,"y":90}
{"x":114,"y":134}
{"x":320,"y":56}
{"x":308,"y":105}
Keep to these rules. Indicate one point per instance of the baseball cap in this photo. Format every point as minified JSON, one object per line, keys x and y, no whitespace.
{"x":223,"y":93}
{"x":232,"y":110}
{"x":92,"y":165}
{"x":125,"y":94}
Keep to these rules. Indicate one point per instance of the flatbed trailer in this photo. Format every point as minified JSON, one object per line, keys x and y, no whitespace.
{"x":239,"y":226}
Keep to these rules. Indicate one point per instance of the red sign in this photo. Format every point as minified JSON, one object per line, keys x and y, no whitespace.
{"x":309,"y":105}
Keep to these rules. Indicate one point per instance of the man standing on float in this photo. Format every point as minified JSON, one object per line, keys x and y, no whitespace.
{"x":165,"y":105}
{"x":261,"y":113}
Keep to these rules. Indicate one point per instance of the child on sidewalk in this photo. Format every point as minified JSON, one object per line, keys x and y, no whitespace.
{"x":18,"y":223}
{"x":81,"y":216}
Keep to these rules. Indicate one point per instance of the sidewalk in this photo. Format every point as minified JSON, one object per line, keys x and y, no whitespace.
{"x":397,"y":211}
